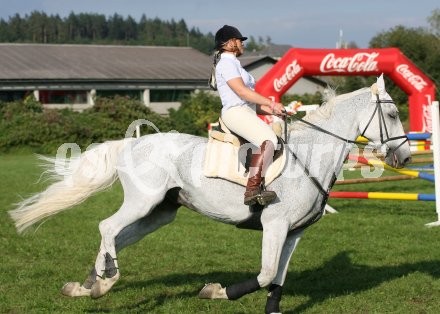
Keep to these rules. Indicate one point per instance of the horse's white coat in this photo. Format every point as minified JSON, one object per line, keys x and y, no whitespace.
{"x":152,"y":165}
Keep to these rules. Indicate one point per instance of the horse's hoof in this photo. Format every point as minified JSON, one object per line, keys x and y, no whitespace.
{"x":213,"y":291}
{"x":74,"y":289}
{"x":102,"y":286}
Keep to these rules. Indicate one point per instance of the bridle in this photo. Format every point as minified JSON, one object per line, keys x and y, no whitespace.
{"x":383,"y":140}
{"x":383,"y":126}
{"x":326,"y":192}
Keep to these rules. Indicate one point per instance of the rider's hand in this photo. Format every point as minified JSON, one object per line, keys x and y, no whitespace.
{"x":291,"y":112}
{"x":278,"y":109}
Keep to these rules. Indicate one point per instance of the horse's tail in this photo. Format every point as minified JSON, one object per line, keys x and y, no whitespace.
{"x":75,"y":180}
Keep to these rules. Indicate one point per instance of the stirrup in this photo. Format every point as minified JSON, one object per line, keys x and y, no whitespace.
{"x":262,"y":197}
{"x":266,"y":197}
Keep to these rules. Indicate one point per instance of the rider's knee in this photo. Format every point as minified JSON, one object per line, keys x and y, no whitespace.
{"x":272,"y":138}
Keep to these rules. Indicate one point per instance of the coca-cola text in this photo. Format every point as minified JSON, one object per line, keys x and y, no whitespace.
{"x":360,"y":62}
{"x":413,"y":79}
{"x":291,"y":71}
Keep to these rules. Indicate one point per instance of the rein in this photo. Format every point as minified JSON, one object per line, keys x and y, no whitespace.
{"x":382,"y":126}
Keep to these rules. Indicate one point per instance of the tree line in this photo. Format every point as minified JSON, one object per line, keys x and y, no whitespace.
{"x":91,"y":28}
{"x":420,"y":45}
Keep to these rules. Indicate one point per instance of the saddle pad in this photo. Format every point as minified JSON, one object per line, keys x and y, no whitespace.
{"x":221,"y":161}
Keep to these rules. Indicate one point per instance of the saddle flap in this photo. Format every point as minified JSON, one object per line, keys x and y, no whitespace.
{"x":227,"y":161}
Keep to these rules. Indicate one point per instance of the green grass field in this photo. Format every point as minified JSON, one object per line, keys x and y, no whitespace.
{"x":372,"y":257}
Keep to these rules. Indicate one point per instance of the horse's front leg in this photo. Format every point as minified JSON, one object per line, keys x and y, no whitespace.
{"x":275,"y":289}
{"x":274,"y":236}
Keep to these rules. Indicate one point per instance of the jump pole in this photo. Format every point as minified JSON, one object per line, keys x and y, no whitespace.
{"x":404,"y":171}
{"x":384,"y":196}
{"x":418,"y":136}
{"x":435,"y":140}
{"x":436,"y":154}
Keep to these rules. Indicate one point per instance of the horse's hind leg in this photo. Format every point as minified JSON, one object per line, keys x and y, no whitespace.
{"x":163,"y":214}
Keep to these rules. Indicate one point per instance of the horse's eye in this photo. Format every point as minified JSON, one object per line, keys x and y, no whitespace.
{"x":393,"y":115}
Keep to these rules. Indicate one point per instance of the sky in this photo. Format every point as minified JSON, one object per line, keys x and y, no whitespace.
{"x":300,"y":23}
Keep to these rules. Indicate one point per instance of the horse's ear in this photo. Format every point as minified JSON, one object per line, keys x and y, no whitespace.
{"x":381,"y":84}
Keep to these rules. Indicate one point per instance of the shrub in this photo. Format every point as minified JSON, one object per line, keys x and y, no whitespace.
{"x":196,"y":112}
{"x":26,"y":124}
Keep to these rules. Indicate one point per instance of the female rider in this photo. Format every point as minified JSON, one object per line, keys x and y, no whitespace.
{"x":241,"y":104}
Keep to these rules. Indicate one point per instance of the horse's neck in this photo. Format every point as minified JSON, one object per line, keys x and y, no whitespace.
{"x":327,"y":150}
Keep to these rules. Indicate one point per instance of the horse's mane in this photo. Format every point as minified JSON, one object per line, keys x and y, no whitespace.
{"x":330,"y":100}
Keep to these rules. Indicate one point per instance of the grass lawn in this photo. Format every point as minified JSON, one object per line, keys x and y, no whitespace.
{"x":372,"y":257}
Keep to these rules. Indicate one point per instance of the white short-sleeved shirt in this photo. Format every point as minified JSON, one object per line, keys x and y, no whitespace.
{"x":228,"y":68}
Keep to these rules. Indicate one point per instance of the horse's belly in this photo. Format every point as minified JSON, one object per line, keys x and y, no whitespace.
{"x":220,"y":209}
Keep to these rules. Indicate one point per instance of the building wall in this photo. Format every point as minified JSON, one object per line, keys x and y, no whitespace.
{"x":162,"y":107}
{"x":81,"y":99}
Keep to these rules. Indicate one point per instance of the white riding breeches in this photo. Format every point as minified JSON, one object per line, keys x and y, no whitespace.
{"x":244,"y":121}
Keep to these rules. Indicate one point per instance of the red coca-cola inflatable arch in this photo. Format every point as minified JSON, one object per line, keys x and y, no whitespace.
{"x":298,"y":62}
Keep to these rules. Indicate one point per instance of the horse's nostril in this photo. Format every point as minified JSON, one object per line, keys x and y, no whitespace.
{"x":407,"y":160}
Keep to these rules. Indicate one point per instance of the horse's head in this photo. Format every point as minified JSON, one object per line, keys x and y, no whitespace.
{"x":382,"y":126}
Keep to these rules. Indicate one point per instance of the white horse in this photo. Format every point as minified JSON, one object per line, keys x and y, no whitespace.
{"x":161,"y":172}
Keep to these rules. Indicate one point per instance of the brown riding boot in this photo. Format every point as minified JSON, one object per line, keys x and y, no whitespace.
{"x":259,"y":164}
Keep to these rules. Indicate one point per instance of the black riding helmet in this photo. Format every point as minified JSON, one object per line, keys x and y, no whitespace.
{"x":226,"y":33}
